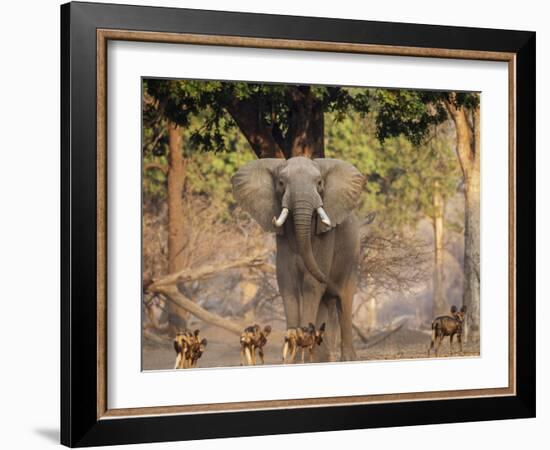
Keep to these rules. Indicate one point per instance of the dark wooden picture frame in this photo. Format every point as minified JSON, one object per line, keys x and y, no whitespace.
{"x":85,"y":30}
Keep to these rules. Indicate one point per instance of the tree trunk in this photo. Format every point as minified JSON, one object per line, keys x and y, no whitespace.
{"x":468,"y":150}
{"x":471,"y":257}
{"x":306,"y":126}
{"x":175,"y":184}
{"x":260,"y":136}
{"x":439,"y":304}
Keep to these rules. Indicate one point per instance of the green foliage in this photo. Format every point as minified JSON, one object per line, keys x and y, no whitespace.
{"x":209,"y":174}
{"x":399,"y":138}
{"x":401,"y":175}
{"x":181,"y":100}
{"x":412,"y":113}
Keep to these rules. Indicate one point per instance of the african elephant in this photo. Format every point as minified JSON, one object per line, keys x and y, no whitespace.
{"x":309,"y":203}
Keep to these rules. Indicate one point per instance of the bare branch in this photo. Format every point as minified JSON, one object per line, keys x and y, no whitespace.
{"x":392,"y":262}
{"x":172,"y":293}
{"x":208,"y":270}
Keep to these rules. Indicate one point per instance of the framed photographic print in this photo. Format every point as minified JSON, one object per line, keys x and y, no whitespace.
{"x":277,"y":224}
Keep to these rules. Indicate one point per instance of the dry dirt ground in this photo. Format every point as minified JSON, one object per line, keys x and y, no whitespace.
{"x":223,"y":348}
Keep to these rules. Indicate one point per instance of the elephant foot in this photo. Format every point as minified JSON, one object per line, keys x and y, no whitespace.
{"x":348,"y":355}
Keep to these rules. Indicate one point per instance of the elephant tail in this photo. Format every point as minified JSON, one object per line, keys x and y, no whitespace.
{"x":334,"y":291}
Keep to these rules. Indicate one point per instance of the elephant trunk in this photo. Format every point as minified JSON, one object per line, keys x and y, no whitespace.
{"x":302,"y":214}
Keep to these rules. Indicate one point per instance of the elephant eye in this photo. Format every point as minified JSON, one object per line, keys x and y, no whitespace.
{"x":281,"y":183}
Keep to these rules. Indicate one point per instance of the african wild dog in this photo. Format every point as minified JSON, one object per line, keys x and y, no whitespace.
{"x":309,"y":337}
{"x":253,"y":338}
{"x":448,"y":326}
{"x":189,"y":348}
{"x":304,"y":338}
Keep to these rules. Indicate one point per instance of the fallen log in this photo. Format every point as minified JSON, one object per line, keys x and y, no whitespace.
{"x":168,"y":286}
{"x":173,"y":294}
{"x":362,"y":335}
{"x":377,"y":338}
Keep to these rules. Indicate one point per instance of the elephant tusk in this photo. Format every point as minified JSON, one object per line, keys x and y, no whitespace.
{"x":324,"y":216}
{"x":279,"y":221}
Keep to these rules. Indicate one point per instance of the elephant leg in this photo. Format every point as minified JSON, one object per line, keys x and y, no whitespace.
{"x":345,"y":317}
{"x":327,"y":314}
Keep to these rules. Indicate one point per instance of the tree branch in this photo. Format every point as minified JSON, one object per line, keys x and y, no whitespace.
{"x":208,"y":270}
{"x":172,"y":293}
{"x":246,"y":114}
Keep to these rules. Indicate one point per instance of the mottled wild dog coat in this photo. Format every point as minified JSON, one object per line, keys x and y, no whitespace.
{"x":253,"y":338}
{"x":182,"y":346}
{"x":260,"y":339}
{"x":308,"y":338}
{"x":448,"y":326}
{"x":189,"y":348}
{"x":197,"y":348}
{"x":305,"y":338}
{"x":290,"y":346}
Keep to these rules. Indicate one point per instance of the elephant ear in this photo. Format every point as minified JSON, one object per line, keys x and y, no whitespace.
{"x":254,"y":190}
{"x":343,"y":186}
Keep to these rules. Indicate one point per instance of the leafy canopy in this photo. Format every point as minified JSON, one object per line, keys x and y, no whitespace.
{"x":181,"y":100}
{"x":412,"y":113}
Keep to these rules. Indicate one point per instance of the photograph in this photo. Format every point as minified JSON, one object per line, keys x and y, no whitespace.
{"x":297,"y":224}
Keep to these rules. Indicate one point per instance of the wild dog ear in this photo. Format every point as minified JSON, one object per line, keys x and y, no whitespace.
{"x":322,"y":327}
{"x":267,"y":329}
{"x":453,"y":309}
{"x":463,"y":309}
{"x":204,"y":342}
